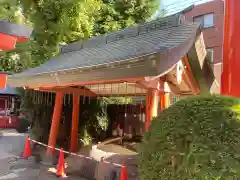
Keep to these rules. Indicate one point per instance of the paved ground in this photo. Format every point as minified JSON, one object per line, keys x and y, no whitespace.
{"x":13,"y":168}
{"x":12,"y":143}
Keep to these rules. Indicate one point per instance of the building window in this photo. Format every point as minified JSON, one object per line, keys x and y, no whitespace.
{"x":210,"y":55}
{"x":206,"y":20}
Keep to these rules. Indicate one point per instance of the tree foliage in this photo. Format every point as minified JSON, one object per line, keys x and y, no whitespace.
{"x":64,"y":21}
{"x":197,"y":138}
{"x":118,"y":14}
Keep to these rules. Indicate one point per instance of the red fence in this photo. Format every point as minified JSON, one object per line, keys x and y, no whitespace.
{"x":9,"y":122}
{"x":129,"y":117}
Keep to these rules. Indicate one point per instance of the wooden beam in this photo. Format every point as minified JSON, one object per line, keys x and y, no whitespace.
{"x":153,"y":84}
{"x":188,"y":76}
{"x":189,"y":84}
{"x":186,"y":80}
{"x":67,"y":90}
{"x":122,"y":95}
{"x":133,"y":80}
{"x":174,"y":89}
{"x":137,"y":85}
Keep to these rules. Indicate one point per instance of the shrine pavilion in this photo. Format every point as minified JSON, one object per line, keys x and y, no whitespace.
{"x":154,"y":59}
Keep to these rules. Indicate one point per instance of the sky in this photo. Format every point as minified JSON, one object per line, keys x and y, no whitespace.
{"x":177,"y":5}
{"x":166,"y":2}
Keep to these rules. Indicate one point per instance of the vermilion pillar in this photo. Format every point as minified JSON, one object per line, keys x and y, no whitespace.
{"x":7,"y":42}
{"x":75,"y":119}
{"x":153,"y":103}
{"x":3,"y":80}
{"x":230,"y":83}
{"x":164,"y":100}
{"x":151,"y":106}
{"x":147,"y":112}
{"x":55,"y":121}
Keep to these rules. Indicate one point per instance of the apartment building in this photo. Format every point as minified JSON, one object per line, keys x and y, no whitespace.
{"x":211,"y":17}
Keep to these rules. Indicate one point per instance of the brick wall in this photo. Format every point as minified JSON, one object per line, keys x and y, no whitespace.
{"x":213,"y":37}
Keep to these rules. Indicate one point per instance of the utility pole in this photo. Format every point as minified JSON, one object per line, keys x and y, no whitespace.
{"x":230,"y":80}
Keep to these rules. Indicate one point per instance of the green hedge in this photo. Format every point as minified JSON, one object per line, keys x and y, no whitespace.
{"x":198,"y":138}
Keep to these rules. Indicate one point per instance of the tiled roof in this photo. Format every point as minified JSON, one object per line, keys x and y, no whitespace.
{"x":152,"y":37}
{"x":15,"y":29}
{"x":8,"y":90}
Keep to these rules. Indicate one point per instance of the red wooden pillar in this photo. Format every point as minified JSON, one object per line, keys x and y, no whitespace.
{"x":147,"y":112}
{"x":164,"y":100}
{"x":55,"y":121}
{"x":75,"y":119}
{"x":154,"y":103}
{"x":7,"y":42}
{"x":230,"y":84}
{"x":3,"y":81}
{"x":151,"y":106}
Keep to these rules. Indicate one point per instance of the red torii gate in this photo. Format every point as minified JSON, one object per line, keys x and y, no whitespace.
{"x":230,"y":83}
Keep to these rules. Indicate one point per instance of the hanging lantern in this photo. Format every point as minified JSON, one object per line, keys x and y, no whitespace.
{"x":11,"y":33}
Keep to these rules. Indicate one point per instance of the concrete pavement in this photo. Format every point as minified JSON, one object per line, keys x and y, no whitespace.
{"x":14,"y":168}
{"x":11,"y":167}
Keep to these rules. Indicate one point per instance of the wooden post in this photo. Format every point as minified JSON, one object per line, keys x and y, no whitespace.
{"x":164,"y":100}
{"x":55,"y":122}
{"x":75,"y":120}
{"x":151,"y":106}
{"x":164,"y":95}
{"x":147,"y":112}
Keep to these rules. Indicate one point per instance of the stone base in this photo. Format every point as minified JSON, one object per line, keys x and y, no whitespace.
{"x":49,"y":160}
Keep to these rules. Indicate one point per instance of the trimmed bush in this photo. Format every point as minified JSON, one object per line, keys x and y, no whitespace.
{"x":198,"y":138}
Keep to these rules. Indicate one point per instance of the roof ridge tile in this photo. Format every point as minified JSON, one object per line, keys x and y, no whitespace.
{"x":132,"y":31}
